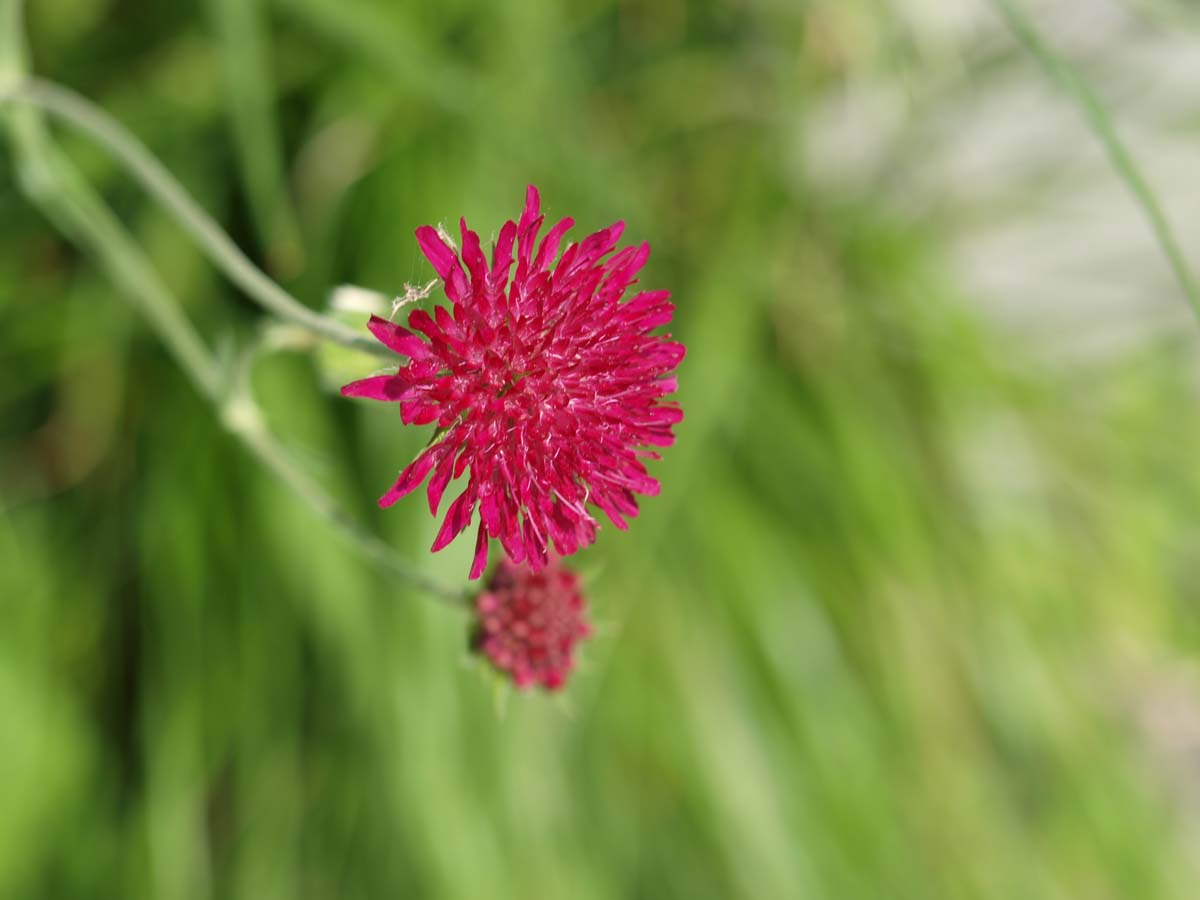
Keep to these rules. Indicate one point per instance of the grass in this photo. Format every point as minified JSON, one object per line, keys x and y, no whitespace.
{"x":914,"y":616}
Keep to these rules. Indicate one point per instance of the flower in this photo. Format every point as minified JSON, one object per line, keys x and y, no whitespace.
{"x":530,"y":622}
{"x":548,"y":387}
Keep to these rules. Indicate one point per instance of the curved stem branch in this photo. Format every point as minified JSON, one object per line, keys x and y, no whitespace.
{"x":55,"y":186}
{"x":80,"y":113}
{"x":241,"y":416}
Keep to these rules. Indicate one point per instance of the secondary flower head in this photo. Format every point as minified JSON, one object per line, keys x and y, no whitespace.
{"x":530,"y":622}
{"x":548,"y":386}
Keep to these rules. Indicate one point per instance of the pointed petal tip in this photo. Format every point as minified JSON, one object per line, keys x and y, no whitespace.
{"x":388,"y":388}
{"x":479,"y":564}
{"x":439,"y":254}
{"x":397,"y":338}
{"x":458,"y":517}
{"x":410,"y":479}
{"x":533,"y":204}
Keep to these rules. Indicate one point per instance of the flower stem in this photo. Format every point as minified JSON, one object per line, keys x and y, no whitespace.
{"x":78,"y":112}
{"x":1101,"y":125}
{"x":54,"y":185}
{"x":242,"y":417}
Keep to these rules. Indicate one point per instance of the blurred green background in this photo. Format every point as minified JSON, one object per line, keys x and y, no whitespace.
{"x":916,"y":615}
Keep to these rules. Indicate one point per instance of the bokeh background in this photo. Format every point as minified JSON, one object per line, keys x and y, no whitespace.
{"x":916,"y":615}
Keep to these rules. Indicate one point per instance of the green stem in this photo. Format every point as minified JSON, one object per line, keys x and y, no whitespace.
{"x":73,"y":109}
{"x":55,"y":186}
{"x":60,"y":192}
{"x":242,"y":417}
{"x":1101,"y":124}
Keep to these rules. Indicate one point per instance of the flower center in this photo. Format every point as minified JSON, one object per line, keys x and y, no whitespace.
{"x":514,"y":380}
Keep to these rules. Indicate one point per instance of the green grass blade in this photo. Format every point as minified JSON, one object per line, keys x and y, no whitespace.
{"x":249,"y":96}
{"x":1102,"y":125}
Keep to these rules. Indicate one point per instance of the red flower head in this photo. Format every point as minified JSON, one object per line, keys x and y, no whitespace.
{"x":547,"y":386}
{"x":530,"y":622}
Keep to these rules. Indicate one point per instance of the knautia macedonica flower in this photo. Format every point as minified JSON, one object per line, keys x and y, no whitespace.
{"x":529,"y":623}
{"x":548,"y":386}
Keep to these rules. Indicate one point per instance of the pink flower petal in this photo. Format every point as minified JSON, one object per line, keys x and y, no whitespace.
{"x":397,"y":338}
{"x":551,"y":386}
{"x":596,"y":245}
{"x":409,"y":479}
{"x":441,"y":478}
{"x":473,"y":256}
{"x":458,"y":517}
{"x":436,"y":251}
{"x":444,"y":260}
{"x":549,"y":246}
{"x":481,"y":553}
{"x":533,"y":203}
{"x":502,"y":255}
{"x":389,"y":388}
